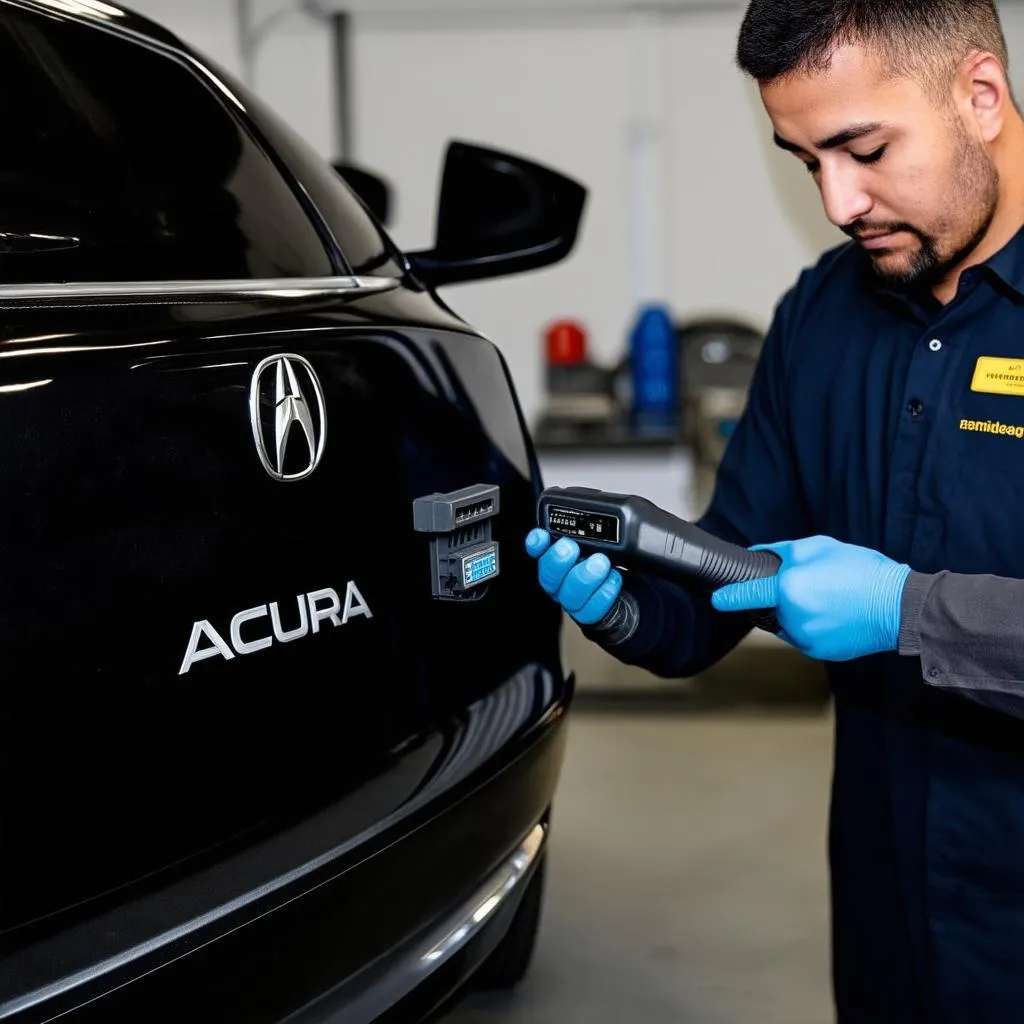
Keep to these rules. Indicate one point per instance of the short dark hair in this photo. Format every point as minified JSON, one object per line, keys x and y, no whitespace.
{"x":927,"y":39}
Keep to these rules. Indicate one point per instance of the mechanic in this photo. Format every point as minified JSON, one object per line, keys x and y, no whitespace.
{"x":886,"y":412}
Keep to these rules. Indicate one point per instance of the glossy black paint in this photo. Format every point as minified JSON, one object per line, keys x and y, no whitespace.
{"x":136,"y":175}
{"x":288,"y":814}
{"x":341,"y":911}
{"x":374,"y":190}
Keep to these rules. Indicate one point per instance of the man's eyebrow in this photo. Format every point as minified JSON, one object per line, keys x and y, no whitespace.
{"x":855,"y":131}
{"x":782,"y":143}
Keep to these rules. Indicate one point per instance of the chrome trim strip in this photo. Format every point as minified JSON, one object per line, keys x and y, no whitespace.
{"x":470,"y":918}
{"x":102,"y":293}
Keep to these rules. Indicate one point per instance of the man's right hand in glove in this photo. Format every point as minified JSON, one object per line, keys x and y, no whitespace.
{"x":589,"y":590}
{"x":586,"y":590}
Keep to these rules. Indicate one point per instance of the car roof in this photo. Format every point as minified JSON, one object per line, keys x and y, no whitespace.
{"x":104,"y":14}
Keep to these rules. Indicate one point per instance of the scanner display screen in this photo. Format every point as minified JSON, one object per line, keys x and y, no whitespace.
{"x":587,"y":525}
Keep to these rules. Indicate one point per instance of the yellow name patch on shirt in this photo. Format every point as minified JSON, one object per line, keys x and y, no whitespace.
{"x":996,"y":376}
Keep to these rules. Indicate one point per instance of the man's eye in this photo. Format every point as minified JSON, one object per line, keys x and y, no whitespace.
{"x":870,"y":158}
{"x":812,"y":166}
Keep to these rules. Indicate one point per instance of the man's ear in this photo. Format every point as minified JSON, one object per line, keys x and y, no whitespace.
{"x":985,"y":90}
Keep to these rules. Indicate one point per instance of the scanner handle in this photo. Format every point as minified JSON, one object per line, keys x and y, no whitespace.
{"x":654,"y":540}
{"x":665,"y":542}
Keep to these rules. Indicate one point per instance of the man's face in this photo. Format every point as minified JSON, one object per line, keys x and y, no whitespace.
{"x":907,"y":180}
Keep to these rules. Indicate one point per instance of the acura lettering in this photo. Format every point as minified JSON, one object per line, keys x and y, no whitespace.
{"x":255,"y":629}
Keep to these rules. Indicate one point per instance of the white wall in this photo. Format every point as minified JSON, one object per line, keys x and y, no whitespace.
{"x":555,"y":94}
{"x":740,"y":218}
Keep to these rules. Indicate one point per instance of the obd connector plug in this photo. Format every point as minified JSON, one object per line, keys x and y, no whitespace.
{"x":463,"y":555}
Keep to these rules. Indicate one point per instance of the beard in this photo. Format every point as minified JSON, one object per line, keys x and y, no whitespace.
{"x":972,"y":195}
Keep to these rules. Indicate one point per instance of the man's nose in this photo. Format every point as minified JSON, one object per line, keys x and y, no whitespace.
{"x":845,"y":198}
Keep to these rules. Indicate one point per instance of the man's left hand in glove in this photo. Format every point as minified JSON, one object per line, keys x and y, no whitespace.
{"x":834,"y":601}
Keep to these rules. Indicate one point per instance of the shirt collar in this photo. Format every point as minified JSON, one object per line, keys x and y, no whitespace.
{"x":1008,"y":264}
{"x":1005,"y":266}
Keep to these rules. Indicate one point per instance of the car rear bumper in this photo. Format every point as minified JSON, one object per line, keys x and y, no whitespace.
{"x":417,"y":977}
{"x":350,"y":942}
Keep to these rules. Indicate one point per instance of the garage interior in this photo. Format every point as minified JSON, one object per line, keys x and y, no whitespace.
{"x":687,"y":875}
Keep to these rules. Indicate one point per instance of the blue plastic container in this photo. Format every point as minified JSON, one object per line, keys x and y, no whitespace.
{"x":654,"y":356}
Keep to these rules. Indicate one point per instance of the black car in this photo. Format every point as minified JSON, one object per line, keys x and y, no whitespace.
{"x":282,"y":711}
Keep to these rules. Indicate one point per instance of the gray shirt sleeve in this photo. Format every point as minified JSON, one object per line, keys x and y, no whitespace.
{"x":968,"y":632}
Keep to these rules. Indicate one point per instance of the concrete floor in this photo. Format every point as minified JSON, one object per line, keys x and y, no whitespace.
{"x":687,"y":878}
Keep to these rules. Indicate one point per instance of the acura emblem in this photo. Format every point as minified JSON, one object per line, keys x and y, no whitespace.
{"x":293,"y":415}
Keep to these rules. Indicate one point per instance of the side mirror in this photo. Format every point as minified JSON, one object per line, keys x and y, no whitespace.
{"x":498,"y":214}
{"x":374,"y":191}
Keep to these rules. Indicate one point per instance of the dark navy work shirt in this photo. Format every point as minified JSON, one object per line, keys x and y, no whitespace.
{"x":885,"y":419}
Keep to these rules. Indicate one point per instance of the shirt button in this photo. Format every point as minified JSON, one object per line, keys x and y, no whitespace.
{"x":915,"y":407}
{"x":935,"y":344}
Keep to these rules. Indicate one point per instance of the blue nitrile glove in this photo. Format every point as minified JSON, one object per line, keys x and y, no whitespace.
{"x":834,"y":601}
{"x":587,"y":589}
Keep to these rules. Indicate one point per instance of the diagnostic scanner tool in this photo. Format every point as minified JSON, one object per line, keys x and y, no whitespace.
{"x":636,"y":534}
